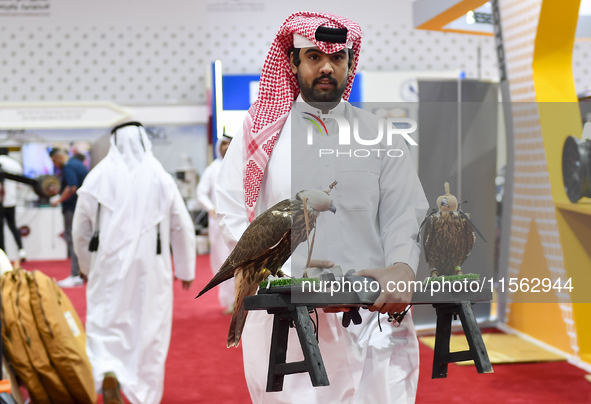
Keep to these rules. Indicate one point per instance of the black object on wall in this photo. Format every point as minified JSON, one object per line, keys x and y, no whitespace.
{"x":576,"y":168}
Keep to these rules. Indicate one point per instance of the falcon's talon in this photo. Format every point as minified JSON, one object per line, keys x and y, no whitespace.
{"x":281,"y":274}
{"x":270,"y":279}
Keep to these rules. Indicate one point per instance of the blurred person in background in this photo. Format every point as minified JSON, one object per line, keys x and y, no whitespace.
{"x":73,"y":173}
{"x":130,"y":214}
{"x":206,"y":197}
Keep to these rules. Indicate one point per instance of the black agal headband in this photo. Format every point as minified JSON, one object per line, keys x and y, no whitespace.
{"x":334,"y":35}
{"x":123,"y":125}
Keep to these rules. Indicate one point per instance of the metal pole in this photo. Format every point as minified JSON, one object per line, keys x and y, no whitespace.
{"x":459,"y":141}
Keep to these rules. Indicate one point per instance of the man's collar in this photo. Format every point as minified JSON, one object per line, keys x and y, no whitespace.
{"x":303,"y":106}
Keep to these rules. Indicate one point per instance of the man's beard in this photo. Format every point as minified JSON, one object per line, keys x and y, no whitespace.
{"x":311,"y":94}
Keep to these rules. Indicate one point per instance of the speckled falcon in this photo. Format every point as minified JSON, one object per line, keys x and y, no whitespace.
{"x":448,"y":236}
{"x":265,"y":246}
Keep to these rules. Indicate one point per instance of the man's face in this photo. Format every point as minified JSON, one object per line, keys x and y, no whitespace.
{"x":322,"y":77}
{"x":224,"y":147}
{"x":59,"y":160}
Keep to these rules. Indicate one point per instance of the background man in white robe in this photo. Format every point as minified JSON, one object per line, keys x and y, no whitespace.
{"x":218,"y":251}
{"x":129,"y":295}
{"x":379,"y":199}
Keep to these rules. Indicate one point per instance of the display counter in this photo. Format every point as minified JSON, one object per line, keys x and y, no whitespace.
{"x":45,"y":239}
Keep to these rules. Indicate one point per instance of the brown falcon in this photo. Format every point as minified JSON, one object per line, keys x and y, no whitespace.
{"x":448,"y":236}
{"x":265,"y":246}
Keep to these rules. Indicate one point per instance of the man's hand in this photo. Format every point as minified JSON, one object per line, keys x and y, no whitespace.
{"x":390,"y":302}
{"x":68,"y":192}
{"x":186,"y":284}
{"x":321,"y":264}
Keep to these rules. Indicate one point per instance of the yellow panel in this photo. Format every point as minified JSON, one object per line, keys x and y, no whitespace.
{"x":538,"y":314}
{"x":542,"y":321}
{"x":501,"y":348}
{"x":553,"y":51}
{"x":583,"y":206}
{"x":554,"y":83}
{"x":558,"y":121}
{"x":575,"y":236}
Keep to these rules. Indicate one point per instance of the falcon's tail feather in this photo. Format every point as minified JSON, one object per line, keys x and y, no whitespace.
{"x":243,"y":289}
{"x":225,"y":273}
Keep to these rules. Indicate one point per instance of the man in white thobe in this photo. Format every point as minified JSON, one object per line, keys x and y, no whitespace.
{"x":218,"y":251}
{"x":132,"y":207}
{"x":379,"y":200}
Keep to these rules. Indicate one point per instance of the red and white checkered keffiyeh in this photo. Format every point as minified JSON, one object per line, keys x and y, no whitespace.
{"x":278,"y":89}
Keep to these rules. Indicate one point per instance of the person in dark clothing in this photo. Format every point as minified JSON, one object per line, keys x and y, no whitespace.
{"x":79,"y":156}
{"x":73,"y":173}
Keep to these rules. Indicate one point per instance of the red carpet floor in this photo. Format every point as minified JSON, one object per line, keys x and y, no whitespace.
{"x":200,"y":369}
{"x":540,"y":383}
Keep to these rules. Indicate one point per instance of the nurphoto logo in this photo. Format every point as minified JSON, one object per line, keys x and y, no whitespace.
{"x":317,"y":122}
{"x":344,"y":135}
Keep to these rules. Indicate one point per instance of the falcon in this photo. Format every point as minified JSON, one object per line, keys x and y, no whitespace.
{"x":265,"y":246}
{"x":448,"y":236}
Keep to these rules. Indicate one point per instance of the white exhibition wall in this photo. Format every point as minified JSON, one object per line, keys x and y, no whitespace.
{"x":153,"y":52}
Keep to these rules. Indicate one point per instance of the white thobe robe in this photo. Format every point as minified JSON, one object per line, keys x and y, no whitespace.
{"x":381,"y":200}
{"x":129,"y":294}
{"x":218,"y":251}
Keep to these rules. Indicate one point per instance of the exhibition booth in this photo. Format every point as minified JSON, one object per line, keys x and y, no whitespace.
{"x":179,"y":134}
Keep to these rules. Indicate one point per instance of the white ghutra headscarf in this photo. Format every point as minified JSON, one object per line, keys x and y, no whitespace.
{"x":129,"y":182}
